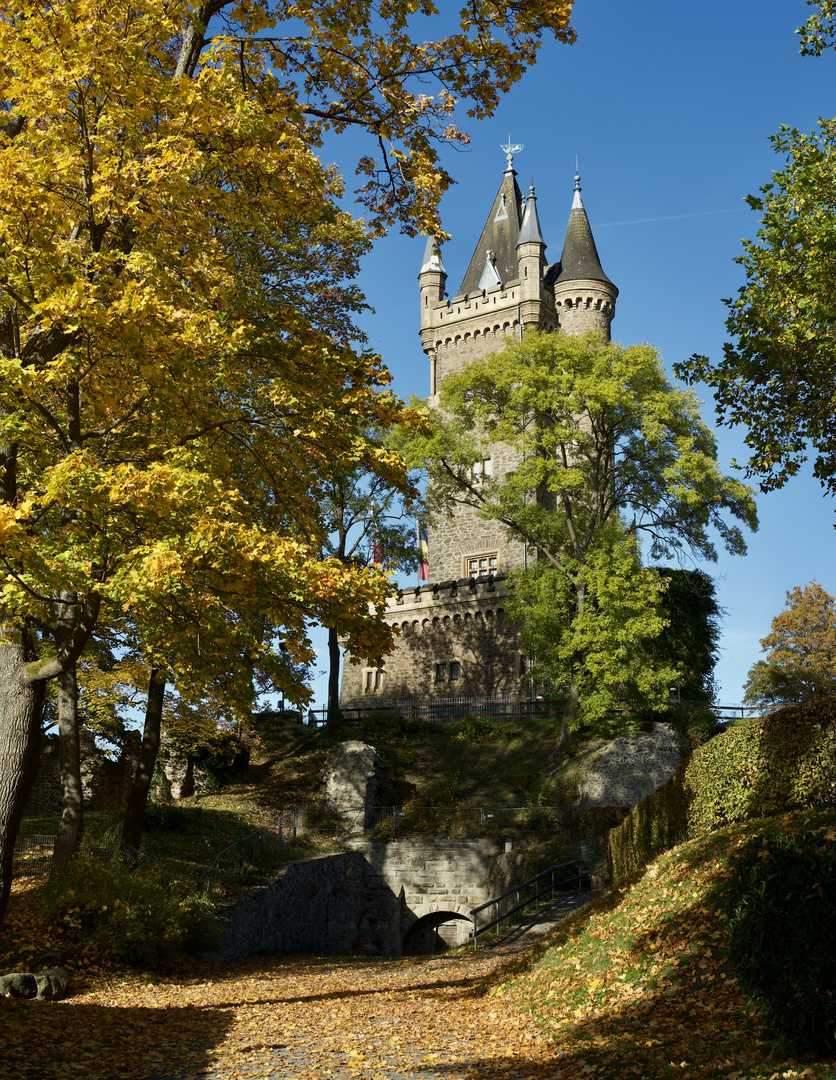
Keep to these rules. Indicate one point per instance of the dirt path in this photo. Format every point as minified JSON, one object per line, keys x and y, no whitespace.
{"x":299,"y":1018}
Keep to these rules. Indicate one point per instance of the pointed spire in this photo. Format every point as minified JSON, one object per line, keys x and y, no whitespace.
{"x":432,"y":258}
{"x":499,"y":236}
{"x":530,"y":232}
{"x":580,"y":260}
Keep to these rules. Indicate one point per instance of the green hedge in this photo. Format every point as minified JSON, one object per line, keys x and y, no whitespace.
{"x":767,"y":766}
{"x":782,"y":933}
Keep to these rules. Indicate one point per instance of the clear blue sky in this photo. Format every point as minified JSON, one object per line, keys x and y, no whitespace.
{"x":668,"y":108}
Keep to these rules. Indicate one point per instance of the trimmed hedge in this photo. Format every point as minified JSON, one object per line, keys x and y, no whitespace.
{"x":782,"y":933}
{"x":767,"y":766}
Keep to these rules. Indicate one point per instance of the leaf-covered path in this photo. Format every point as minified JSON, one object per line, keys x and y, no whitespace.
{"x":300,"y":1018}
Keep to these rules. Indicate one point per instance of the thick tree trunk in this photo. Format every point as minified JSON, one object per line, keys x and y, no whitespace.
{"x":69,"y":754}
{"x":334,"y":715}
{"x":21,"y":701}
{"x":138,"y":798}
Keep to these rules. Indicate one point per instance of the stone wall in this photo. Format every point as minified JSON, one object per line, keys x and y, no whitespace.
{"x":625,"y":770}
{"x":455,"y":622}
{"x":441,"y":875}
{"x":105,"y":782}
{"x":351,"y":782}
{"x":331,"y":904}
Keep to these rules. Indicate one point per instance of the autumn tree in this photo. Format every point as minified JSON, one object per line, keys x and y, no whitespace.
{"x":800,"y":662}
{"x":368,"y":521}
{"x":777,"y":376}
{"x":157,"y":328}
{"x":609,"y":455}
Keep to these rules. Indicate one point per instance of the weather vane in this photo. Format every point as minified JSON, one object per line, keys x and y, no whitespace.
{"x":510,"y":149}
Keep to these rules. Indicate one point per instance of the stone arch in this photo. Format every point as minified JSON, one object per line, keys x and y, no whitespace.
{"x":419,"y":929}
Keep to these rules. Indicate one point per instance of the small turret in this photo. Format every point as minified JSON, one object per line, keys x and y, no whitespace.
{"x":531,"y":254}
{"x":433,"y":276}
{"x":584,"y":295}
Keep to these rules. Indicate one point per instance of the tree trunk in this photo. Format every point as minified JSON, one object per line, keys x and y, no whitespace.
{"x":138,"y":798}
{"x":334,"y":714}
{"x":69,"y":754}
{"x":20,"y":743}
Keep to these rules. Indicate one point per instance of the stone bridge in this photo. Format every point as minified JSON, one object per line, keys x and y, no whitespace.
{"x":441,"y":882}
{"x":379,"y":897}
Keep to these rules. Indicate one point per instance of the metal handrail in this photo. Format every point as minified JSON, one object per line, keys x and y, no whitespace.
{"x":579,"y":866}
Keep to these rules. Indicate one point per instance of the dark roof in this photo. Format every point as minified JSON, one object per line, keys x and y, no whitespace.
{"x":499,"y":236}
{"x":530,"y":231}
{"x":580,"y":256}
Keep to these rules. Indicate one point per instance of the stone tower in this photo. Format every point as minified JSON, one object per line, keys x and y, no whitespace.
{"x":454,"y":637}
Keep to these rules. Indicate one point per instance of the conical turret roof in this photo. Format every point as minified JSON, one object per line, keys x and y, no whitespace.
{"x":498,"y":242}
{"x":530,"y":231}
{"x":432,"y":258}
{"x":579,"y":260}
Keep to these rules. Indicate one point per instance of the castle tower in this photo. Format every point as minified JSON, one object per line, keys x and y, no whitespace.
{"x":584,"y":296}
{"x":454,"y":638}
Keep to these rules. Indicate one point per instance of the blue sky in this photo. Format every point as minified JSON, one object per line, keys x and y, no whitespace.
{"x":668,"y":108}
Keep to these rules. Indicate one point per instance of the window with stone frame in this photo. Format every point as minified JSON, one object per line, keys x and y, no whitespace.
{"x":373,"y":681}
{"x":482,"y":565}
{"x":448,"y":671}
{"x":481,"y":470}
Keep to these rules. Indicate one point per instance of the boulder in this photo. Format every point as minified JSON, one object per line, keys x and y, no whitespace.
{"x":351,"y":778}
{"x":49,"y":985}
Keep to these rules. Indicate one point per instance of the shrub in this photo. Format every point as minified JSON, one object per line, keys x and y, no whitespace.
{"x":140,"y":917}
{"x":474,"y":729}
{"x":767,"y":766}
{"x":782,"y":933}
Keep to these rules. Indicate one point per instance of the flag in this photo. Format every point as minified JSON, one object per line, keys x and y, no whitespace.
{"x":377,"y":551}
{"x":423,"y":555}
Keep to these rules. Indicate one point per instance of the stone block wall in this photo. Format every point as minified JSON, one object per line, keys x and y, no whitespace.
{"x":441,"y":875}
{"x":331,"y":904}
{"x":461,"y":622}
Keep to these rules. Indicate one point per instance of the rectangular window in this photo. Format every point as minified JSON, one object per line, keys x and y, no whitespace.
{"x":482,"y":565}
{"x":481,"y":470}
{"x":441,"y":673}
{"x":378,"y":679}
{"x":455,"y":671}
{"x":368,"y":687}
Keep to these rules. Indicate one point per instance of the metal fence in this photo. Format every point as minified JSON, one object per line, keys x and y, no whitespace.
{"x":446,"y":709}
{"x":528,"y":895}
{"x":246,"y":861}
{"x":33,"y":855}
{"x":464,"y":821}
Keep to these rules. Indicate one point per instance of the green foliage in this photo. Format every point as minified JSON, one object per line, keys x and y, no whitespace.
{"x":776,"y":376}
{"x":598,"y":820}
{"x":601,"y":437}
{"x":138,"y":916}
{"x":693,"y":722}
{"x":782,"y":933}
{"x":476,"y":729}
{"x":690,"y":640}
{"x":768,"y":766}
{"x":800,"y":662}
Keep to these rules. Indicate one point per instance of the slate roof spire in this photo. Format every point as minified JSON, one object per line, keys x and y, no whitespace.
{"x":432,"y":258}
{"x":499,"y":237}
{"x":530,"y":232}
{"x":579,"y":260}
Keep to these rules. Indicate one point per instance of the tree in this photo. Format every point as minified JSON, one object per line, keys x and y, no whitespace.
{"x":778,"y":375}
{"x":690,"y":641}
{"x":607,"y":452}
{"x":368,"y":521}
{"x":158,"y":326}
{"x":800,"y":662}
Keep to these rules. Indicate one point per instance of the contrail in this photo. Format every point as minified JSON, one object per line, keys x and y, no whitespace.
{"x":672,"y":217}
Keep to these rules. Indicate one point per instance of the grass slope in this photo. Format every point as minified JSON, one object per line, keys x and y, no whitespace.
{"x":640,"y":985}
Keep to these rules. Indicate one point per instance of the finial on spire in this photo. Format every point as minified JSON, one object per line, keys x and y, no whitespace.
{"x":577,"y":202}
{"x":509,"y":150}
